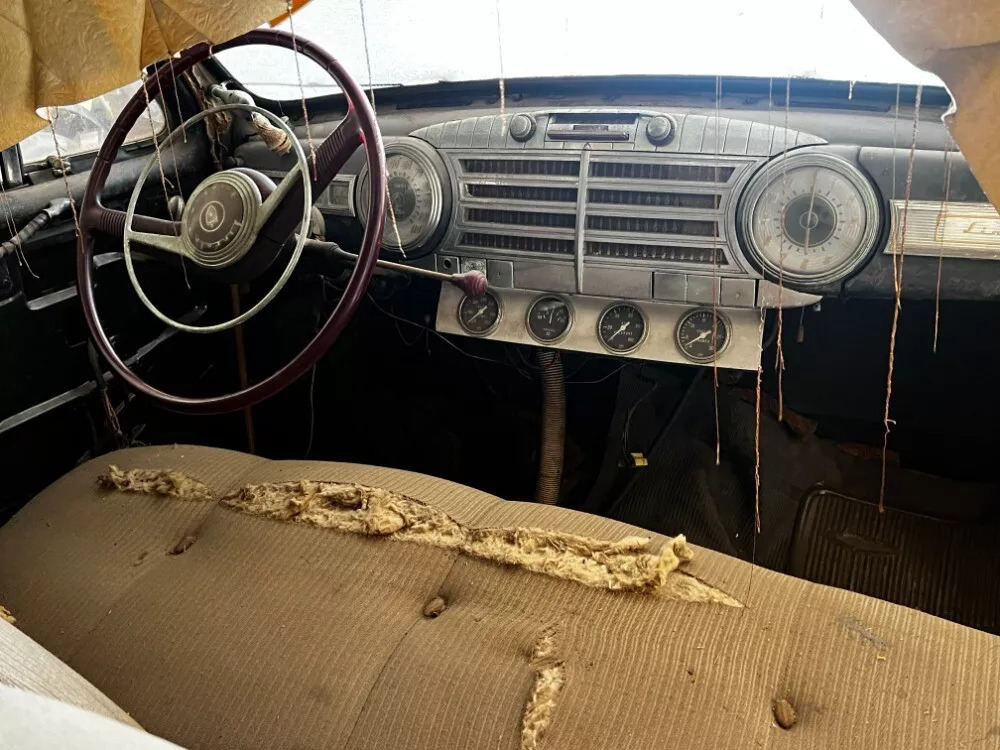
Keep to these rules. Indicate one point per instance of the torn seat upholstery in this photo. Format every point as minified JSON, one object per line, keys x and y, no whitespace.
{"x":217,"y":627}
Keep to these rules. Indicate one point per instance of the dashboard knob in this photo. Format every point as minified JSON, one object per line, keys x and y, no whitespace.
{"x":659,"y":129}
{"x":522,"y":127}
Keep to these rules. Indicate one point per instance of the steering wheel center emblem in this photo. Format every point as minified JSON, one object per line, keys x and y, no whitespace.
{"x":218,"y":222}
{"x":212,"y":215}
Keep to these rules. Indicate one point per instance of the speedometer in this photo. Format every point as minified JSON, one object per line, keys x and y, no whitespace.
{"x":621,"y":328}
{"x":809,"y":218}
{"x":416,"y":179}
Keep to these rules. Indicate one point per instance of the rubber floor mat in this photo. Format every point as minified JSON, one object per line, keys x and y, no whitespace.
{"x":947,"y":569}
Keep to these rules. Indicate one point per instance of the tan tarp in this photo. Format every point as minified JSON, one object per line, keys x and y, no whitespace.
{"x":959,"y":40}
{"x":54,"y":52}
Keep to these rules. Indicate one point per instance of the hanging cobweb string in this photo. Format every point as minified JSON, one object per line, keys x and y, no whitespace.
{"x":812,"y":206}
{"x":22,"y":258}
{"x":302,"y":89}
{"x":757,"y":397}
{"x":779,"y":358}
{"x":215,"y":124}
{"x":371,"y":96}
{"x":760,"y":373}
{"x":152,"y":128}
{"x":715,"y":281}
{"x":942,"y":222}
{"x":173,"y":75}
{"x":898,"y":256}
{"x":109,"y":410}
{"x":503,"y":78}
{"x":368,"y":57}
{"x":159,"y":163}
{"x":62,"y":169}
{"x":156,"y":141}
{"x":177,"y":103}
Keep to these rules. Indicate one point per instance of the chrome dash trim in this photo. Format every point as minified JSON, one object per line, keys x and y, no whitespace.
{"x":581,"y":217}
{"x":947,"y":230}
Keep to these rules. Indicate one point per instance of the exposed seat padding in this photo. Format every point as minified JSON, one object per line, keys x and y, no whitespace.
{"x":277,"y":634}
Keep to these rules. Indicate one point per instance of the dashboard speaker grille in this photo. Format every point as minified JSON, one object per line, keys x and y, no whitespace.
{"x":652,"y":225}
{"x":662,"y":212}
{"x":521,"y":166}
{"x":517,"y":242}
{"x":641,"y":251}
{"x":523,"y":193}
{"x":709,"y":201}
{"x":520,"y":218}
{"x":627,"y":170}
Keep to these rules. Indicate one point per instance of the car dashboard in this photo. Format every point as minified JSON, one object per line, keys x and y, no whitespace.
{"x":663,"y":234}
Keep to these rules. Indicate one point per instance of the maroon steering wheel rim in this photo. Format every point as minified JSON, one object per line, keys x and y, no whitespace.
{"x":357,"y":129}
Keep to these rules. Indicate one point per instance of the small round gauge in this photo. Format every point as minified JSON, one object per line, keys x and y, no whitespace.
{"x":479,"y":315}
{"x":810,"y":218}
{"x":621,"y":327}
{"x":702,"y":335}
{"x":549,"y":318}
{"x":416,"y":197}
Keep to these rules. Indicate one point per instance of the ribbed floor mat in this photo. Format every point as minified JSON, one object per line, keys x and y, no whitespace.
{"x":947,"y":569}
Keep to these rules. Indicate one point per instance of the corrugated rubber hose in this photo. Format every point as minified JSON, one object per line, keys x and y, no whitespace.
{"x":550,"y":454}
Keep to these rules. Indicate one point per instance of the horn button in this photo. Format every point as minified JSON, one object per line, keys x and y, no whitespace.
{"x":220,"y":218}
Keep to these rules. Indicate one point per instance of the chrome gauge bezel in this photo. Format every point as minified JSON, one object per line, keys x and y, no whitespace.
{"x":436,"y":173}
{"x":492,"y":328}
{"x":569,"y":326}
{"x":645,"y":326}
{"x":723,"y":320}
{"x":773,"y":171}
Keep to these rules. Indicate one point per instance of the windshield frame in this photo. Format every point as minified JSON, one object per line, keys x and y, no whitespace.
{"x":809,"y":93}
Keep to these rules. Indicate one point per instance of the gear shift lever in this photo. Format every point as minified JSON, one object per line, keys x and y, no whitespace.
{"x":472,"y":283}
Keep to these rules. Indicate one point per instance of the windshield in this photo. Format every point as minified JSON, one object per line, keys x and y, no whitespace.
{"x":427,"y":41}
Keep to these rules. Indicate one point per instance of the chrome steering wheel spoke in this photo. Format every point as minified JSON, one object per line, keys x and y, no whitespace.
{"x":281,"y":191}
{"x":168,"y":243}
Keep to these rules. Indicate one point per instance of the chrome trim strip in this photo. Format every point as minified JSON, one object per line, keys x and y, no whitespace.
{"x":581,"y":216}
{"x":52,"y":298}
{"x":947,"y":230}
{"x":48,"y":405}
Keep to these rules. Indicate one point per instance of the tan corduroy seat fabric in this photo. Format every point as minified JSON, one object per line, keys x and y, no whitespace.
{"x":277,"y":634}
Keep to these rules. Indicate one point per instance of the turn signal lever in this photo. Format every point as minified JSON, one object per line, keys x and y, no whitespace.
{"x":472,"y":283}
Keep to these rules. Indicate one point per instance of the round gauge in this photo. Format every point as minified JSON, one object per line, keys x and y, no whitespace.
{"x":809,"y":218}
{"x":621,"y":327}
{"x":415,"y":179}
{"x":479,"y":315}
{"x":702,"y":335}
{"x":549,"y":318}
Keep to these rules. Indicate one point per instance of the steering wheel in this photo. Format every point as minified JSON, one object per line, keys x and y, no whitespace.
{"x":236,"y":221}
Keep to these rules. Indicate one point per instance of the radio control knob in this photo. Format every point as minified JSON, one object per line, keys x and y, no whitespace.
{"x":660,"y":129}
{"x":522,"y":127}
